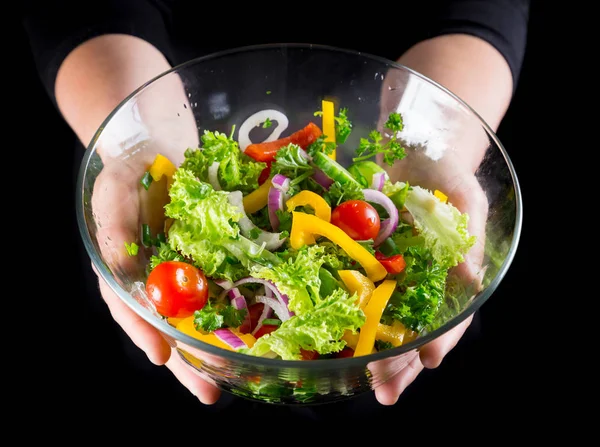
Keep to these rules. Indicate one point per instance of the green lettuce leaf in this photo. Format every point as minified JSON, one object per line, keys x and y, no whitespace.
{"x":297,"y":277}
{"x":442,"y":225}
{"x":205,"y":230}
{"x":237,"y":171}
{"x":319,"y":329}
{"x":420,"y":291}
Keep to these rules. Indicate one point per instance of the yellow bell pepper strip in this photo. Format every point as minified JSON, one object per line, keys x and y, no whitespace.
{"x":373,"y":312}
{"x":305,"y":226}
{"x":393,"y":334}
{"x":174,"y":321}
{"x":328,"y":123}
{"x":350,"y":338}
{"x":357,"y":283}
{"x":440,"y":195}
{"x":257,"y":199}
{"x":186,"y":326}
{"x":312,"y":199}
{"x":161,"y":166}
{"x":396,"y":334}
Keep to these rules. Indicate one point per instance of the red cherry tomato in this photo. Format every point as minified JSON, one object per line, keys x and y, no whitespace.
{"x":357,"y":218}
{"x":265,"y":329}
{"x":309,"y":355}
{"x":177,"y":289}
{"x":344,"y":353}
{"x":255,"y":311}
{"x":265,"y":173}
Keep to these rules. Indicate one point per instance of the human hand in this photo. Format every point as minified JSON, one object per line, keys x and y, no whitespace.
{"x":469,"y":198}
{"x":121,"y":205}
{"x":448,"y":164}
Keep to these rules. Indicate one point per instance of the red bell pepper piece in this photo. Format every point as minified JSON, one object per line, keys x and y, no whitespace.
{"x":266,"y":151}
{"x":393,"y":264}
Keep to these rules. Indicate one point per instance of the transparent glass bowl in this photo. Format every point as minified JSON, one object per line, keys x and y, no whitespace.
{"x":217,"y":92}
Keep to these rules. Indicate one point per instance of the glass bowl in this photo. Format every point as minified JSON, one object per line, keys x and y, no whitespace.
{"x":449,"y":147}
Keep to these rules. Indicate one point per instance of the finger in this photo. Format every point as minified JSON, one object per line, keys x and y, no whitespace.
{"x":433,"y":353}
{"x":388,"y":393}
{"x":144,"y":335}
{"x":207,"y":393}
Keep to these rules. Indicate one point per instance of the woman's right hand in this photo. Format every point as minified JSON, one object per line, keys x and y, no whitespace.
{"x":120,"y":204}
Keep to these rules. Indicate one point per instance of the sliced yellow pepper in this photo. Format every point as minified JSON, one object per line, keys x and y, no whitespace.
{"x":328,"y":123}
{"x":173,"y":321}
{"x":186,"y":326}
{"x":393,"y":334}
{"x":373,"y":312}
{"x":305,"y":226}
{"x":358,"y":283}
{"x":162,"y":166}
{"x":397,"y":334}
{"x":257,"y":199}
{"x":440,"y":195}
{"x":350,"y":338}
{"x":312,"y":199}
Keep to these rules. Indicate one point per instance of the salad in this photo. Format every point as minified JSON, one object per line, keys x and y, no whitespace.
{"x":276,"y":249}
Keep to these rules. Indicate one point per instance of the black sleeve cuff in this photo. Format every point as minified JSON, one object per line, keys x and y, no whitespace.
{"x":502,"y":23}
{"x":56,"y":28}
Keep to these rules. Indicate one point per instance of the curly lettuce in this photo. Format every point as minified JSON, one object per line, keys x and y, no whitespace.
{"x":297,"y":277}
{"x":205,"y":230}
{"x":443,"y":226}
{"x":237,"y":171}
{"x":319,"y":329}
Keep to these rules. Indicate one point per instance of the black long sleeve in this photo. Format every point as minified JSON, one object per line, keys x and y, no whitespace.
{"x":186,"y":29}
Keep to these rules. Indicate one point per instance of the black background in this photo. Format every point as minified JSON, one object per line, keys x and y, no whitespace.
{"x":492,"y":382}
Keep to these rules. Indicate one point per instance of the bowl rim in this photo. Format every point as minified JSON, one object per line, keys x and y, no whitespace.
{"x":163,"y":326}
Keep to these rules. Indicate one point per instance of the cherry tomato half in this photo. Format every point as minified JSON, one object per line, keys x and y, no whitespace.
{"x":177,"y":289}
{"x":265,"y":329}
{"x":265,"y":173}
{"x":309,"y":355}
{"x":255,"y":311}
{"x":357,"y":218}
{"x":346,"y":352}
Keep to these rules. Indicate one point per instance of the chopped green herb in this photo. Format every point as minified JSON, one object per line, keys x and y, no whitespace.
{"x":146,"y":180}
{"x":343,"y":126}
{"x":268,"y":92}
{"x":272,"y":321}
{"x":132,"y":249}
{"x":147,"y":238}
{"x":381,"y":345}
{"x":320,"y":145}
{"x":392,"y":150}
{"x":254,"y":233}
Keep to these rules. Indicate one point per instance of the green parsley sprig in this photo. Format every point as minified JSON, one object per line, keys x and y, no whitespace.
{"x":343,"y":126}
{"x":391,"y":151}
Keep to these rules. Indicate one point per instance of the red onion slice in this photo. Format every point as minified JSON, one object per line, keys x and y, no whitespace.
{"x":213,"y":176}
{"x":281,"y":298}
{"x":390,"y":224}
{"x":378,"y":180}
{"x":266,"y":313}
{"x":274,"y":203}
{"x":271,"y":240}
{"x":322,"y":179}
{"x":276,"y":198}
{"x":227,"y":336}
{"x":225,"y":283}
{"x":281,"y":182}
{"x":279,"y":309}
